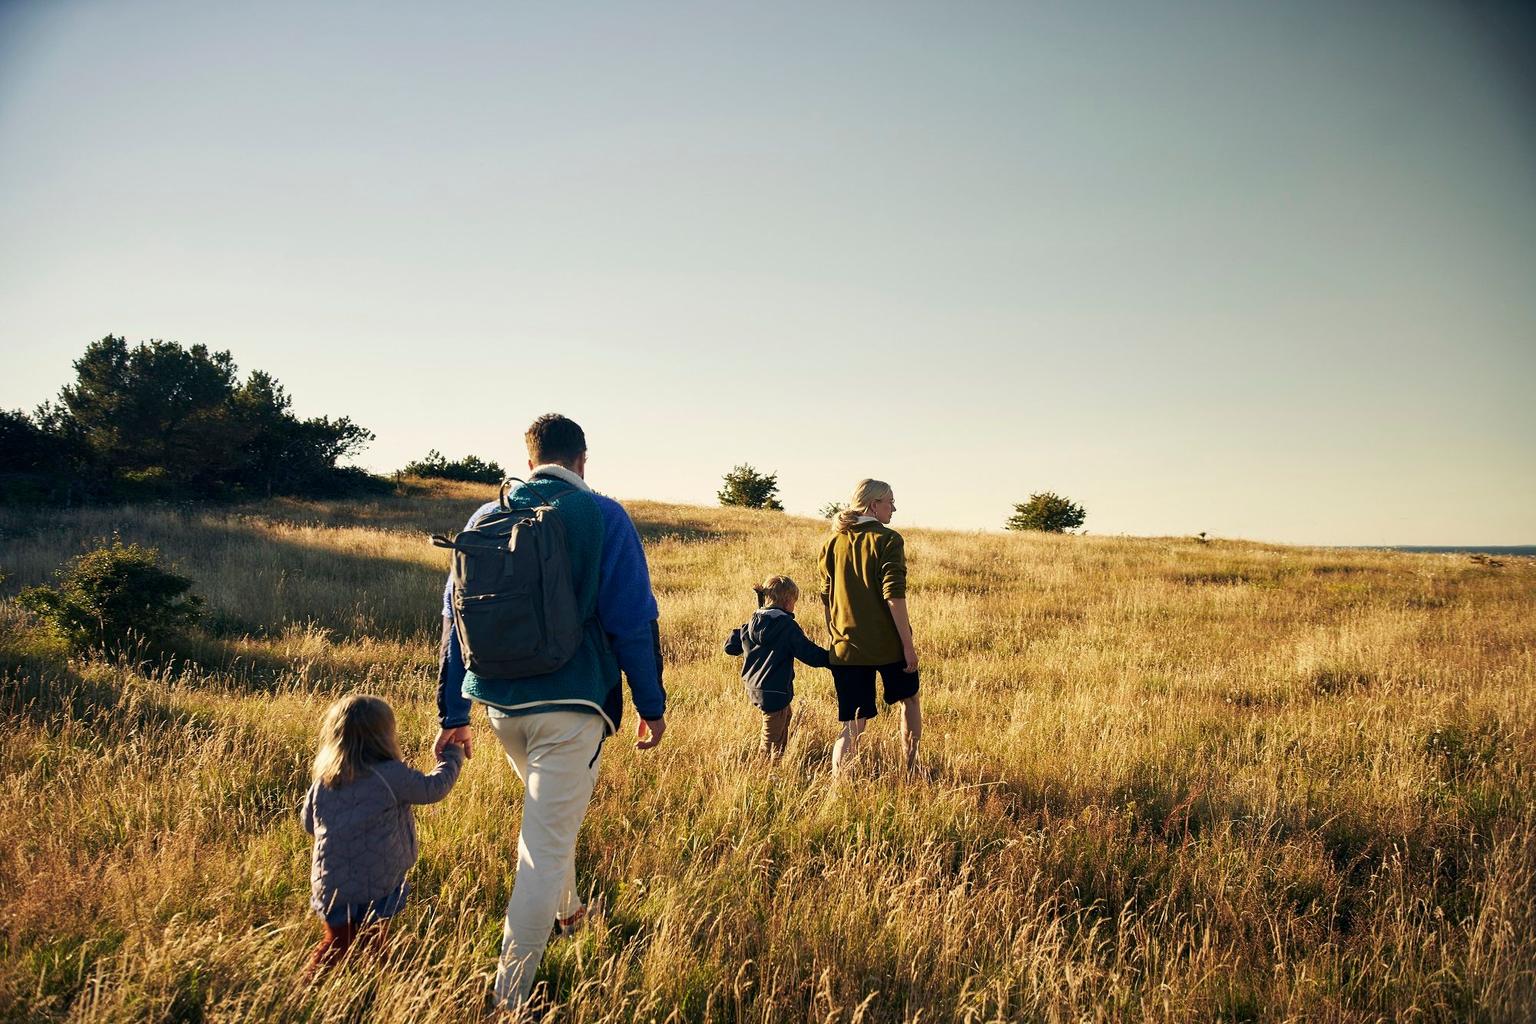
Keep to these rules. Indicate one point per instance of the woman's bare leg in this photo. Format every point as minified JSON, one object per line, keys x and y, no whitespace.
{"x":847,"y":746}
{"x":911,"y":729}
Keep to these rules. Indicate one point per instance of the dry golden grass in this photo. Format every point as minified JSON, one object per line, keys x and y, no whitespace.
{"x":1164,"y":780}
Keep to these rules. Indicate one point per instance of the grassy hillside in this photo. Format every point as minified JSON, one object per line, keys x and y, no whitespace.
{"x":1165,"y":781}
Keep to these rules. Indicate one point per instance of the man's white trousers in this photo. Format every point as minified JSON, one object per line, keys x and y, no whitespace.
{"x":555,"y":754}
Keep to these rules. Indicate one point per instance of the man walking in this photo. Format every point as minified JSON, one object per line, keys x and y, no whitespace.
{"x":552,"y":726}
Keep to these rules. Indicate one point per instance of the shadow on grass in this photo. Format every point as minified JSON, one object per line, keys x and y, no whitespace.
{"x":248,"y":667}
{"x":246,"y":573}
{"x":61,"y":965}
{"x":1218,"y":578}
{"x":682,"y":529}
{"x":48,"y":696}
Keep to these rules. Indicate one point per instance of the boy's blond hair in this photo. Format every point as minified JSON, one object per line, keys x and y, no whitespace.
{"x":357,"y":731}
{"x":775,"y":591}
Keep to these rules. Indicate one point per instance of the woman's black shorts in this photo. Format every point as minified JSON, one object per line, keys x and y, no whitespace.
{"x":855,"y":685}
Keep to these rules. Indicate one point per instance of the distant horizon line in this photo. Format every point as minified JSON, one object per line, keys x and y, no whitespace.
{"x":1489,"y":549}
{"x":1486,"y":549}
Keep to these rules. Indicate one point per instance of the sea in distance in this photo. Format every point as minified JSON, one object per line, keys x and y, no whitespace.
{"x":1511,"y":550}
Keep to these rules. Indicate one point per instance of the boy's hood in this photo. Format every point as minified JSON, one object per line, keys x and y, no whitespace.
{"x":768,"y":623}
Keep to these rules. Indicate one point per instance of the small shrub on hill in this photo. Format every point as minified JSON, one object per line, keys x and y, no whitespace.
{"x":471,"y":468}
{"x":1048,"y":513}
{"x":115,"y":599}
{"x":745,"y":487}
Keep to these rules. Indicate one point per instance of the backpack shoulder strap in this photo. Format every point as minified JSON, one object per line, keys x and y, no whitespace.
{"x":506,"y":489}
{"x":503,"y":499}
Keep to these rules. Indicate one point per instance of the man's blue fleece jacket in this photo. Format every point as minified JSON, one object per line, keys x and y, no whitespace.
{"x":626,"y":612}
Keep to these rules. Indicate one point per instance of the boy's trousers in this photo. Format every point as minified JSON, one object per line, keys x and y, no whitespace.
{"x":555,"y":754}
{"x":775,"y":732}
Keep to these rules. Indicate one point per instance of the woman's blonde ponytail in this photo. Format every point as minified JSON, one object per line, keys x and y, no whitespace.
{"x":865,"y":494}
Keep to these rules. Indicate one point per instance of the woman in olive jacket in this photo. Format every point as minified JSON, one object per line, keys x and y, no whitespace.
{"x":864,"y":592}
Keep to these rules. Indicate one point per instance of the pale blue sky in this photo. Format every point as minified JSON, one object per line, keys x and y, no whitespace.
{"x":1264,"y":270}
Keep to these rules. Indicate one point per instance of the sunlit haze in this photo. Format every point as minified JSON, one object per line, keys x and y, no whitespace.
{"x":1259,"y":270}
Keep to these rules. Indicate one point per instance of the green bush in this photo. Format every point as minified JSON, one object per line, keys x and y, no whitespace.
{"x":116,"y":599}
{"x":1047,"y":512}
{"x":745,"y":487}
{"x":470,"y":468}
{"x":161,"y":421}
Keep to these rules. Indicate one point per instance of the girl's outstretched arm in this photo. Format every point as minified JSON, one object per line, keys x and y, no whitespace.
{"x":413,"y":787}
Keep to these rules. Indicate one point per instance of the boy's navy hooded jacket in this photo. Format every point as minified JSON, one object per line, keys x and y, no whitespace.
{"x":772,"y":640}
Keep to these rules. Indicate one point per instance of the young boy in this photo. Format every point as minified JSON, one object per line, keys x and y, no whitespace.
{"x":771,"y":641}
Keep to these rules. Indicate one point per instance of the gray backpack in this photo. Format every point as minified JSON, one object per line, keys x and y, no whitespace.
{"x":514,"y":599}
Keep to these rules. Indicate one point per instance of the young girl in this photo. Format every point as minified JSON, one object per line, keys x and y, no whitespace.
{"x":771,"y":641}
{"x":359,"y":811}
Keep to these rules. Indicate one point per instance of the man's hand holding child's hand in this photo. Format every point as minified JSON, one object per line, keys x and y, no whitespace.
{"x":461,"y":736}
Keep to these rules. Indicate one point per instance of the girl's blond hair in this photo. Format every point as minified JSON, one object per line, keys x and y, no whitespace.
{"x":357,"y":731}
{"x":865,"y":494}
{"x":776,"y":590}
